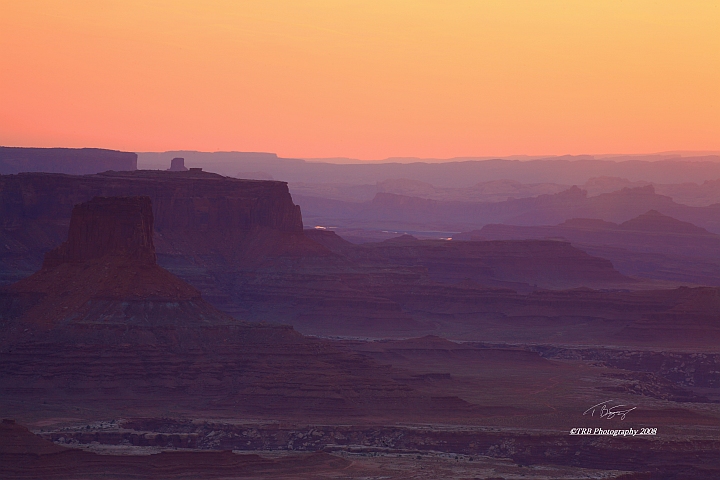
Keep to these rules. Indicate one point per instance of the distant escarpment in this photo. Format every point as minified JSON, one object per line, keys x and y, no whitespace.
{"x":520,"y":265}
{"x":388,"y":211}
{"x":652,"y":245}
{"x":102,"y":324}
{"x":196,"y":214}
{"x":74,"y":161}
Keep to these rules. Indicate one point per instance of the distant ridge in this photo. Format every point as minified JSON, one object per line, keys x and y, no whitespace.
{"x":73,"y":161}
{"x":651,"y":245}
{"x":654,"y":221}
{"x":455,"y":172}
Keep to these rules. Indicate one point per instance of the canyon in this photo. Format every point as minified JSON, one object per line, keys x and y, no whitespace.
{"x":104,"y":324}
{"x":157,"y":322}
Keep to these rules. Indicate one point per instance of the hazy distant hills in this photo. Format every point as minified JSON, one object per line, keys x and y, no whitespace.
{"x":413,"y":213}
{"x":74,"y":161}
{"x":651,"y":245}
{"x":566,"y":170}
{"x":692,"y":194}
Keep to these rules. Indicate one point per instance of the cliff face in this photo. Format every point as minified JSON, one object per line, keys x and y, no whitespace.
{"x":108,"y":226}
{"x":75,"y":161}
{"x":195,"y":214}
{"x":105,"y":273}
{"x":181,"y":200}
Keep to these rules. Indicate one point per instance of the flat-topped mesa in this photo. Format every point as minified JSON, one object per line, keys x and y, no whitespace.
{"x":177,"y":165}
{"x":108,"y":226}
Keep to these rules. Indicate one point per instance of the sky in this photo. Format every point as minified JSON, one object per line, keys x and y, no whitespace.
{"x":365,"y":79}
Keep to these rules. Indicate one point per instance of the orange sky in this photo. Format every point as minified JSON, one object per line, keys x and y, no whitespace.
{"x":367,"y":78}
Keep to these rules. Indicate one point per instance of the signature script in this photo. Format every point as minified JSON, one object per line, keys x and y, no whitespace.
{"x":609,"y":411}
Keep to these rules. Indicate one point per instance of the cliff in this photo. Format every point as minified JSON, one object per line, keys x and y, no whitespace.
{"x":106,"y":273}
{"x":74,"y":161}
{"x":240,"y":242}
{"x":108,"y":226}
{"x":195,"y":213}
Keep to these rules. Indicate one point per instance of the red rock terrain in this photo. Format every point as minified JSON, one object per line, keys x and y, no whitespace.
{"x":102,"y":322}
{"x":528,"y":399}
{"x":195,"y":212}
{"x":106,"y":273}
{"x":241,"y":244}
{"x":136,"y":343}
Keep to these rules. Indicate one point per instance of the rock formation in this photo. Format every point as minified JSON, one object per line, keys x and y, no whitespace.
{"x":74,"y":161}
{"x":102,"y":331}
{"x":106,"y":273}
{"x":521,"y":265}
{"x":195,"y":214}
{"x":102,"y":322}
{"x":177,"y":165}
{"x":241,"y":244}
{"x":108,"y":226}
{"x":652,"y":245}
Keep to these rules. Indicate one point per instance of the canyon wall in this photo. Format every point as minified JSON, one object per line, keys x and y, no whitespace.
{"x":195,"y":213}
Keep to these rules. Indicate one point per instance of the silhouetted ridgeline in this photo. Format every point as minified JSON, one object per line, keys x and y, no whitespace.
{"x":460,"y":172}
{"x":74,"y":161}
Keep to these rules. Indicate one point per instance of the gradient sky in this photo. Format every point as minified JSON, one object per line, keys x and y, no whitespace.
{"x":366,"y":79}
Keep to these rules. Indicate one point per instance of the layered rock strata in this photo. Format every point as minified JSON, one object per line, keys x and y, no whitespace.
{"x":102,"y":324}
{"x":199,"y":216}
